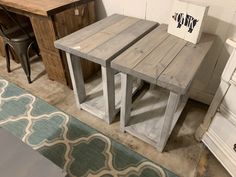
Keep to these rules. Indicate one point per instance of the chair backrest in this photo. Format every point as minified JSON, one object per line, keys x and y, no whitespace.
{"x":5,"y":23}
{"x":3,"y":31}
{"x":4,"y":27}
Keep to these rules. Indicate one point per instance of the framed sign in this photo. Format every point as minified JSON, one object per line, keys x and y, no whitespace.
{"x":187,"y":20}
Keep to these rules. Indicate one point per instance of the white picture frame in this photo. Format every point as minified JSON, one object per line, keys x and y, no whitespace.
{"x":186,"y":20}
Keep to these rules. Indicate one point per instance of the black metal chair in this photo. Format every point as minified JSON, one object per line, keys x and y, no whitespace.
{"x":20,"y":39}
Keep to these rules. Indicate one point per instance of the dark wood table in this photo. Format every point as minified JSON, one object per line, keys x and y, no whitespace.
{"x":18,"y":159}
{"x":169,"y":64}
{"x":100,"y":43}
{"x":51,"y":20}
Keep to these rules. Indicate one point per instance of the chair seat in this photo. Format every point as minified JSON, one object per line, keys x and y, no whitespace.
{"x":15,"y":34}
{"x":20,"y":39}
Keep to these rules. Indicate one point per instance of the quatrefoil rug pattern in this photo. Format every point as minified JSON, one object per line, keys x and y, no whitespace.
{"x":77,"y":148}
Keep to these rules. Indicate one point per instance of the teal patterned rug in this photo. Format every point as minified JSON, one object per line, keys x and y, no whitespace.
{"x":69,"y":143}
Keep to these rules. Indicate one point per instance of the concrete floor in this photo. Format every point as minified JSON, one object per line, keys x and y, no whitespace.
{"x":183,"y":154}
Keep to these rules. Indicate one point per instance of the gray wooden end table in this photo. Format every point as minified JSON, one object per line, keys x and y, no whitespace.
{"x":169,"y":64}
{"x":101,"y":42}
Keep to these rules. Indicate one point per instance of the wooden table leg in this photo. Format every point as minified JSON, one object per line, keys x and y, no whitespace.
{"x":126,"y":99}
{"x":76,"y":74}
{"x":108,"y":93}
{"x":45,"y":34}
{"x":172,"y":105}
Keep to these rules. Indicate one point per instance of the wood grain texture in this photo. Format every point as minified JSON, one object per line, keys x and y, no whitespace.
{"x":45,"y":35}
{"x":126,"y":100}
{"x":108,"y":84}
{"x":2,"y":50}
{"x":48,"y":28}
{"x":148,"y":114}
{"x":116,"y":32}
{"x":172,"y":105}
{"x":220,"y":21}
{"x":76,"y":74}
{"x":181,"y":71}
{"x":100,"y":43}
{"x":71,"y":40}
{"x":42,"y":7}
{"x":167,"y":61}
{"x":67,"y":22}
{"x":94,"y":102}
{"x":122,"y":41}
{"x":101,"y":37}
{"x":44,"y":32}
{"x":134,"y":55}
{"x":157,"y":61}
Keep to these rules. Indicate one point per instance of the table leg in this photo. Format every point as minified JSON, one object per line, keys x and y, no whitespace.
{"x":45,"y":33}
{"x":126,"y":99}
{"x":108,"y":93}
{"x":172,"y":105}
{"x":76,"y":74}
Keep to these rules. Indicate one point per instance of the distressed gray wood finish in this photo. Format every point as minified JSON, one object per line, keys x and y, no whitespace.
{"x":109,"y":93}
{"x":171,"y":107}
{"x":18,"y":159}
{"x":169,"y":64}
{"x":126,"y":99}
{"x":95,"y":100}
{"x":150,"y":119}
{"x":76,"y":74}
{"x":159,"y":57}
{"x":101,"y":42}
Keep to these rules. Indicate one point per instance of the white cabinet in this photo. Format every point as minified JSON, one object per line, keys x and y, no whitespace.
{"x":228,"y":105}
{"x":220,"y":138}
{"x":218,"y":132}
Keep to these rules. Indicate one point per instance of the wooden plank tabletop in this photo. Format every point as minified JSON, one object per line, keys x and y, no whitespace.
{"x":41,"y":7}
{"x":103,"y":41}
{"x":163,"y":59}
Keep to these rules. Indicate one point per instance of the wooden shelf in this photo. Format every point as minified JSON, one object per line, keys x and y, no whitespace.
{"x":94,"y":102}
{"x":147,"y":115}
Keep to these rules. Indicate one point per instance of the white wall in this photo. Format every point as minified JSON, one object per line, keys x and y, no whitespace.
{"x":221,"y":21}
